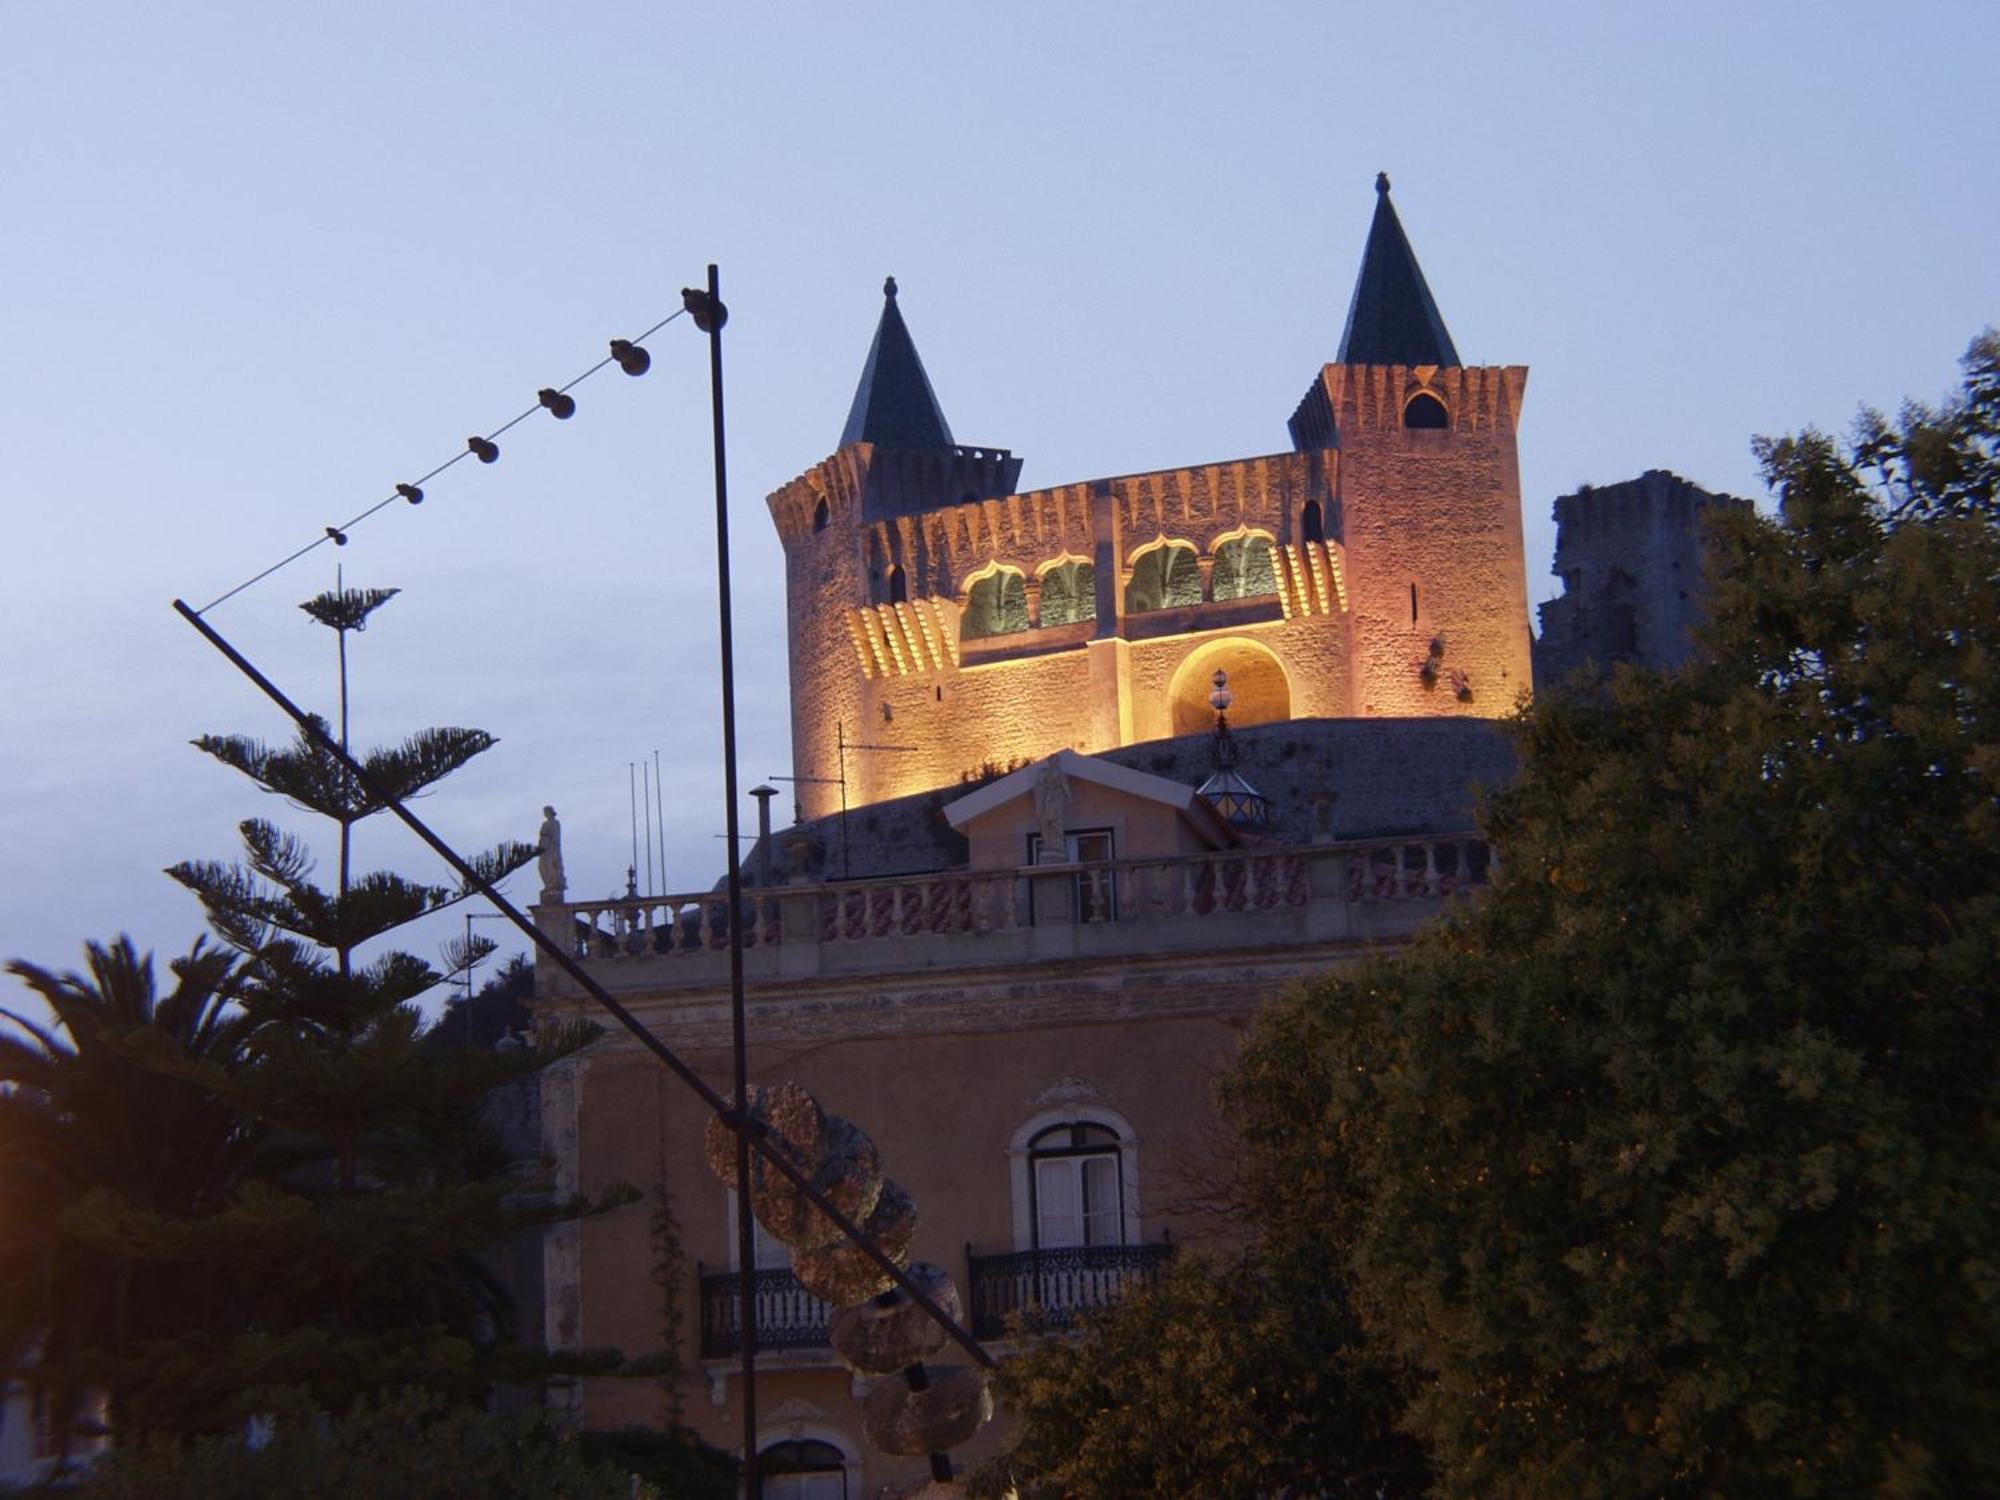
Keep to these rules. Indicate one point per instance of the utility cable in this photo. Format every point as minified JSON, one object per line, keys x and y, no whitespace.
{"x":627,"y":354}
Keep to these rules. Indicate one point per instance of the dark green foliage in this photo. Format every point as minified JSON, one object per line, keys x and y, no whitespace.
{"x":408,"y":1445}
{"x":1241,"y":1379}
{"x":120,"y":1109}
{"x":1942,"y":461}
{"x":1672,"y":1168}
{"x":676,"y":1464}
{"x":266,"y":1181}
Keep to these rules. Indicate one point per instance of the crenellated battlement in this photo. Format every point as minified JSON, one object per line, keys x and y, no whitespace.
{"x":1469,"y":398}
{"x":943,"y":620}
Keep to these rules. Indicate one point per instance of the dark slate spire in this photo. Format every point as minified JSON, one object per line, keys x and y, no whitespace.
{"x":1392,"y":319}
{"x":894,"y":405}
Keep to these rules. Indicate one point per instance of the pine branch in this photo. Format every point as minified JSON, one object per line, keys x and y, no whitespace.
{"x":347,"y":609}
{"x":428,"y":756}
{"x":281,"y":858}
{"x":303,"y":773}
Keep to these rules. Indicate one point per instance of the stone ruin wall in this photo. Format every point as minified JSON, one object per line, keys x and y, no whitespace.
{"x":1630,"y":557}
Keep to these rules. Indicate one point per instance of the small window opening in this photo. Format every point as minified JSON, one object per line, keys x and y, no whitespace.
{"x":995,"y":605}
{"x":1244,"y":569}
{"x":899,"y":588}
{"x":1426,"y":411}
{"x":1311,"y":524}
{"x":1413,"y":604}
{"x":820,"y":516}
{"x":1069,"y":594}
{"x":1165,"y":578}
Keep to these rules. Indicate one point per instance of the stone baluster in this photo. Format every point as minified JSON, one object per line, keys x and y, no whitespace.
{"x":1431,"y":887}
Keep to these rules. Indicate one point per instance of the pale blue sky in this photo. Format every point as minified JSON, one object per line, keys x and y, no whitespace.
{"x":259,"y":262}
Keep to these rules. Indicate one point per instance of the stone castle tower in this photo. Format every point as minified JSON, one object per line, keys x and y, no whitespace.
{"x":1630,"y":559}
{"x":1374,"y":571}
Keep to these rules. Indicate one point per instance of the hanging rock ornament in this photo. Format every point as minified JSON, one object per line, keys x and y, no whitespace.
{"x":840,"y":1275}
{"x":877,"y":1327}
{"x":890,"y":1332}
{"x":908,"y":1420}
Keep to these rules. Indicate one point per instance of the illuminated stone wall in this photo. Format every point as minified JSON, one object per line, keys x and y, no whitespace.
{"x":1432,"y":524}
{"x":1414,"y":604}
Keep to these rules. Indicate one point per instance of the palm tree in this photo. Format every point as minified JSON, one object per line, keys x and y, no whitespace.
{"x":118,"y":1141}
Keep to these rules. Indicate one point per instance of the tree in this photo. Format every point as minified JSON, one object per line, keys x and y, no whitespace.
{"x":414,"y":1446}
{"x":377,"y":1148}
{"x":263,"y":1191}
{"x":1672,"y":1167}
{"x":1222,"y":1379}
{"x":119,"y":1108}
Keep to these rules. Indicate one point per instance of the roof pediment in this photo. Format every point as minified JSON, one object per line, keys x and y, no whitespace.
{"x":1172,"y":796}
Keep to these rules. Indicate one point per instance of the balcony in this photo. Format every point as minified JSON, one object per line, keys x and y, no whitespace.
{"x":1375,"y":891}
{"x":1049,"y":1289}
{"x":788,"y":1316}
{"x":1046,"y":1289}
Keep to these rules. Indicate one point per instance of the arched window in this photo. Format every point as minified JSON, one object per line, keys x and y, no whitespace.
{"x":899,"y":587}
{"x":803,"y":1469}
{"x":1312,"y":524}
{"x":1164,"y":578}
{"x":820,"y":516}
{"x":1244,"y":569}
{"x":1076,"y":1179}
{"x":1069,"y":594}
{"x":1425,"y":410}
{"x":995,"y":605}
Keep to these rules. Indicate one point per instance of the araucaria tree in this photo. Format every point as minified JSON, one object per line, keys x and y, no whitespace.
{"x":263,"y":1184}
{"x":374,"y":1144}
{"x":1672,"y":1167}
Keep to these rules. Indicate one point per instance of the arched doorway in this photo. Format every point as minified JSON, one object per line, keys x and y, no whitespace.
{"x":1262,"y":693}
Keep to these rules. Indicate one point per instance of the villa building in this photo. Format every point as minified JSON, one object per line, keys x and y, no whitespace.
{"x":1018,"y":952}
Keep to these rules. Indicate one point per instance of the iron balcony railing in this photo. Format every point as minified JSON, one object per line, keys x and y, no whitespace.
{"x":788,"y":1316}
{"x":1049,"y":1289}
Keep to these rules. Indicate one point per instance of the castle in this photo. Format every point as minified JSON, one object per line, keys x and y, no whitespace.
{"x":1023,"y":989}
{"x":1374,"y":571}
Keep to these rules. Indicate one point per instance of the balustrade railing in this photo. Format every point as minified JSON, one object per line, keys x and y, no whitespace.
{"x":960,"y":902}
{"x":1049,"y":1289}
{"x":669,"y":926}
{"x":788,"y":1316}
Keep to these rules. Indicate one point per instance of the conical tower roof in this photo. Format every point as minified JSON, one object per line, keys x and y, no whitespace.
{"x":1392,"y":319}
{"x":894,"y":406}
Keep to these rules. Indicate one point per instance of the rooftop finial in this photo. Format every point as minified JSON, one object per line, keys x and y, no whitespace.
{"x":1382,"y":183}
{"x":889,"y":287}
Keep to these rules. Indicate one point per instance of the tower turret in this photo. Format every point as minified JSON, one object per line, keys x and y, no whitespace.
{"x":894,"y":405}
{"x":867,"y":590}
{"x":1392,"y":318}
{"x":1427,"y":495}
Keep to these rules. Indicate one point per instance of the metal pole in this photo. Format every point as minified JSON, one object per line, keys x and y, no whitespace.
{"x":746,"y":1251}
{"x":735,"y":1120}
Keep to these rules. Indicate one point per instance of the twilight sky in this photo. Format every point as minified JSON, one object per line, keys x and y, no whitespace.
{"x":261,"y":262}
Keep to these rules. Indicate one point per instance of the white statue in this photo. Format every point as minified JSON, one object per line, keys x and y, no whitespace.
{"x":1051,"y":801}
{"x":550,"y":861}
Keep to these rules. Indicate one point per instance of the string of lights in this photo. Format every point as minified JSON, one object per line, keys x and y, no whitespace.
{"x":628,"y":354}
